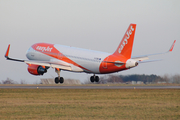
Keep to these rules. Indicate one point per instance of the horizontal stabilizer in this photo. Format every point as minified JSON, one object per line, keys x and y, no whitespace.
{"x":118,"y":62}
{"x":146,"y":61}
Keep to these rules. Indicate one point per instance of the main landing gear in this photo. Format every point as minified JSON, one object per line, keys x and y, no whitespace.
{"x":58,"y":79}
{"x":94,"y":78}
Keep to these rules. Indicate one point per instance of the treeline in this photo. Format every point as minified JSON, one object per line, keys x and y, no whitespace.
{"x":143,"y":78}
{"x":146,"y":79}
{"x":10,"y":81}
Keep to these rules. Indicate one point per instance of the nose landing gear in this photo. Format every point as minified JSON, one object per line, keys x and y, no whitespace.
{"x":94,"y":78}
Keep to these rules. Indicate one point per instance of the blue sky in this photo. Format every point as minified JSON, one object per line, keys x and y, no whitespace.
{"x":91,"y":24}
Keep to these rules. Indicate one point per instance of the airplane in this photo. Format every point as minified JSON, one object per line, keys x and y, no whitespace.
{"x":42,"y":56}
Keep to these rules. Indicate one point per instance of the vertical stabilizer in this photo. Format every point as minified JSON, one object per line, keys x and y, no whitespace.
{"x":126,"y":44}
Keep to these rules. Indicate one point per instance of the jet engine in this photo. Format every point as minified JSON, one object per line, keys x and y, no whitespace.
{"x":36,"y":69}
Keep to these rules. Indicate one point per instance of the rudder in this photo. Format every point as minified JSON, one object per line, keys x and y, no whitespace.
{"x":126,"y":44}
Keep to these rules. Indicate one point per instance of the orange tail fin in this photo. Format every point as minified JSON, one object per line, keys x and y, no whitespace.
{"x":126,"y":44}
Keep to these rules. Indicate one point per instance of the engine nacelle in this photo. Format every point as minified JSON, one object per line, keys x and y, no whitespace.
{"x":36,"y":70}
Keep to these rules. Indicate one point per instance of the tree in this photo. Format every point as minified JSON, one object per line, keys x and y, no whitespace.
{"x":176,"y":79}
{"x":114,"y":79}
{"x":8,"y":81}
{"x":23,"y":82}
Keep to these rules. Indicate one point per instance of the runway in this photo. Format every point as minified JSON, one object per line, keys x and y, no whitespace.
{"x":88,"y":87}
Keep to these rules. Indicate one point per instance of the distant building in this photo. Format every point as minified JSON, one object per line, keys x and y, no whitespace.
{"x":133,"y":82}
{"x":161,"y":82}
{"x":140,"y":82}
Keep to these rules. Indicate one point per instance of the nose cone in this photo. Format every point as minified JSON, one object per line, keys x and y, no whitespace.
{"x":131,"y":63}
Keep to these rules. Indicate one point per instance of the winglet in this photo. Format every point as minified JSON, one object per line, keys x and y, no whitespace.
{"x":172,"y":46}
{"x":7,"y":52}
{"x":7,"y":55}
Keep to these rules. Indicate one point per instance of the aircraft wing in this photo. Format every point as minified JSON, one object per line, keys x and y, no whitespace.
{"x":145,"y":57}
{"x":49,"y":64}
{"x":52,"y":63}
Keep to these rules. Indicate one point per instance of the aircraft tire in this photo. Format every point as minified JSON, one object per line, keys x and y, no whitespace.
{"x":92,"y":79}
{"x":97,"y":78}
{"x":61,"y":80}
{"x":56,"y":80}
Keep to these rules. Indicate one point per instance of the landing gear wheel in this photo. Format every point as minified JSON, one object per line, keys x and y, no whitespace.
{"x":97,"y":79}
{"x":92,"y":79}
{"x":61,"y":80}
{"x":56,"y":80}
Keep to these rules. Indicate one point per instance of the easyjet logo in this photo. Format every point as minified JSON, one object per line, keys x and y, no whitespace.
{"x":125,"y":41}
{"x":44,"y":48}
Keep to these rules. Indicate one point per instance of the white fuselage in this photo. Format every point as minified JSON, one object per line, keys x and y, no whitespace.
{"x":88,"y":59}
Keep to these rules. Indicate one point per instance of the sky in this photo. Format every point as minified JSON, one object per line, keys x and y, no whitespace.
{"x":90,"y":24}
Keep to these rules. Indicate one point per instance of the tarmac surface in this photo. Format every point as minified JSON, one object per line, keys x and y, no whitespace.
{"x":88,"y":87}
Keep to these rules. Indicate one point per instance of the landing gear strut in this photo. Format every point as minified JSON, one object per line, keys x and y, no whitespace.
{"x":94,"y":79}
{"x":58,"y":79}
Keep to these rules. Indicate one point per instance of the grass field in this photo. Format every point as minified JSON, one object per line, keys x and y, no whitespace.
{"x":89,"y":104}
